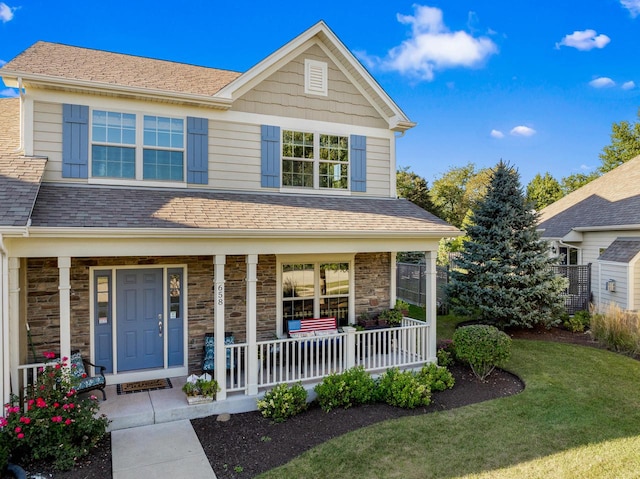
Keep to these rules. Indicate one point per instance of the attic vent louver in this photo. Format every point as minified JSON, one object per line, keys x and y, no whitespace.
{"x":315,"y":77}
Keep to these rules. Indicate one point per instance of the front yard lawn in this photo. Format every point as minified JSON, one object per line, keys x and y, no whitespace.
{"x":579,"y":417}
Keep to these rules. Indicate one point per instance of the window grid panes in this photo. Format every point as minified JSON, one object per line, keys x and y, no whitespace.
{"x":165,"y":161}
{"x":175,"y":296}
{"x":310,"y":160}
{"x":297,"y":159}
{"x":113,"y":161}
{"x":103,"y":297}
{"x":110,"y":130}
{"x":325,"y":285}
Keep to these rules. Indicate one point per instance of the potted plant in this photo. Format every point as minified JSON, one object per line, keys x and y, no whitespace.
{"x":200,"y":389}
{"x":393,"y":317}
{"x":402,"y":306}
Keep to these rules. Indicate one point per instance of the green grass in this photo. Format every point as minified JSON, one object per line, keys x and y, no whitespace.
{"x":445,"y":325}
{"x":579,"y":417}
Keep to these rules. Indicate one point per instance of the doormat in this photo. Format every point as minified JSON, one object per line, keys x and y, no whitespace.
{"x":140,"y":386}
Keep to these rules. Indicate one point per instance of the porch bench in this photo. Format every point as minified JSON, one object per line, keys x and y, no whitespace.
{"x":312,"y":333}
{"x":80,"y":368}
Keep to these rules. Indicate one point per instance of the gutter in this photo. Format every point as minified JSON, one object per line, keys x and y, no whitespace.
{"x":226,"y":233}
{"x":11,"y":78}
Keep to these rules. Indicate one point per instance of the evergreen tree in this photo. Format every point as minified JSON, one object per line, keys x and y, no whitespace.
{"x":504,"y":274}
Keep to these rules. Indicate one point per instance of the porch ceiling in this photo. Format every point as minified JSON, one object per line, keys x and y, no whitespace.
{"x":70,"y":207}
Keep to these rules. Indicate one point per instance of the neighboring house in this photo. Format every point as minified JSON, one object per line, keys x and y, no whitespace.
{"x":599,"y":224}
{"x":145,"y":203}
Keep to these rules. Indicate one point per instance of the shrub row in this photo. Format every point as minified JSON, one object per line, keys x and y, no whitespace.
{"x":406,"y":389}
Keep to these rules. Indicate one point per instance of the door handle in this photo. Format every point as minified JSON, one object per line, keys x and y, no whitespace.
{"x":160,"y":325}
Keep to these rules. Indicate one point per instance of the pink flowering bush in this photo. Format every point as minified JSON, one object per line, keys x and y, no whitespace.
{"x":56,"y":427}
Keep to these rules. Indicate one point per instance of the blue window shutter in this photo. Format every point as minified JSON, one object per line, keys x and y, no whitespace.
{"x":198,"y":150}
{"x":75,"y":141}
{"x":270,"y":156}
{"x":358,"y":162}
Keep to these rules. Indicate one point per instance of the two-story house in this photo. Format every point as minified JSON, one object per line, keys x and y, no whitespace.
{"x":145,"y":203}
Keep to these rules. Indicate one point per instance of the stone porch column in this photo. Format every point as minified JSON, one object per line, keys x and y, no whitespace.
{"x":431,"y":299}
{"x":251,"y":366}
{"x":220,"y":360}
{"x":64,"y":286}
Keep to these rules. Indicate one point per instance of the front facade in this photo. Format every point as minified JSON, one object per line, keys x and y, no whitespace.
{"x":149,"y":203}
{"x":599,"y":224}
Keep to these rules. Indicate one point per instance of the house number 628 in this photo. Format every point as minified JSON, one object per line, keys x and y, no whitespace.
{"x":220,"y":295}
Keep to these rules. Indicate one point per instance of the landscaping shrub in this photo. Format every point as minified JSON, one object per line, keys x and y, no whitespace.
{"x":283,"y":401}
{"x":57,"y":426}
{"x":482,"y":347}
{"x":437,"y":377}
{"x":404,"y":389}
{"x":576,"y":323}
{"x":445,"y":353}
{"x":618,"y":329}
{"x":350,"y":388}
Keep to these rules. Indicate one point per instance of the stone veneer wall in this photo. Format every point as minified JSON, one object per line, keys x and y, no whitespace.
{"x":372,"y":283}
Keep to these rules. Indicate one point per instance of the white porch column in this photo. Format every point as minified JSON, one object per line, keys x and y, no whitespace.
{"x":220,"y":360}
{"x":394,"y":279}
{"x":431,"y":300}
{"x":13,"y":321}
{"x":4,"y":328}
{"x":350,"y":360}
{"x":251,"y":366}
{"x":64,"y":267}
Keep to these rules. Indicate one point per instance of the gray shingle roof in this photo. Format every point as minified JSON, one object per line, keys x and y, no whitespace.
{"x":64,"y":61}
{"x":622,"y":250}
{"x":611,"y":200}
{"x":109,"y":207}
{"x":20,"y":176}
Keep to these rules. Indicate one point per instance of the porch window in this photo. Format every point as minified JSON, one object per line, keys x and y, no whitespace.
{"x":311,"y":160}
{"x":312,"y":290}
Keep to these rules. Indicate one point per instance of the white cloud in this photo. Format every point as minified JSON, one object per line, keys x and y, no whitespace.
{"x":522,"y":131}
{"x":496,"y":134}
{"x":2,"y":62}
{"x":432,"y":47}
{"x":628,"y":85}
{"x":602,"y":82}
{"x":6,"y":12}
{"x":633,"y":6}
{"x":8,"y":92}
{"x":584,"y":40}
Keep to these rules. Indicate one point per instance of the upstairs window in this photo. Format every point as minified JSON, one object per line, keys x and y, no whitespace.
{"x":311,"y":160}
{"x":163,"y":155}
{"x":113,"y":150}
{"x":117,"y":151}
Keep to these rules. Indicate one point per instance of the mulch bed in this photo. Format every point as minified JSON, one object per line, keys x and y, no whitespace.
{"x":249,"y":444}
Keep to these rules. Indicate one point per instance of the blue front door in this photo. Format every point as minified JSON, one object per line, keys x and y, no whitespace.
{"x":140,"y":323}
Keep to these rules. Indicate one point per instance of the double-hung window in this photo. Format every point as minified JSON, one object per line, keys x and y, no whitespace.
{"x":316,"y":290}
{"x":118,"y":150}
{"x":312,"y":160}
{"x":113,"y":148}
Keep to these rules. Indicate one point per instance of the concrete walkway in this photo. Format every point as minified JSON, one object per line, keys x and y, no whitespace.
{"x":169,"y":450}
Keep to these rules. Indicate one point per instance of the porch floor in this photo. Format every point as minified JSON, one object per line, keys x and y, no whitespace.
{"x":165,"y":405}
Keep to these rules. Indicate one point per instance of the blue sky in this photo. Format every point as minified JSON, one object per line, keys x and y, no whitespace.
{"x":538,"y":84}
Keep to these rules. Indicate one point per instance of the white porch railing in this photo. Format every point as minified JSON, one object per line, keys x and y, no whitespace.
{"x":311,"y":359}
{"x":308,"y":359}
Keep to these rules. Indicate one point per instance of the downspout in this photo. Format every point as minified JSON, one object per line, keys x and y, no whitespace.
{"x":5,"y":386}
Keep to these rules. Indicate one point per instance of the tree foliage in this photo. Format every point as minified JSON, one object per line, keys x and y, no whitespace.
{"x":625,"y":145}
{"x":413,"y":187}
{"x":458,"y":190}
{"x":504,"y":274}
{"x":573,"y":182}
{"x":543,"y":190}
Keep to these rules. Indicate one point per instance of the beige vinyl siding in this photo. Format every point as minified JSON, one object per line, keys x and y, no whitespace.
{"x":636,"y":285}
{"x":47,"y":137}
{"x":619,"y":273}
{"x":378,"y":167}
{"x":282,"y":94}
{"x":234,"y":156}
